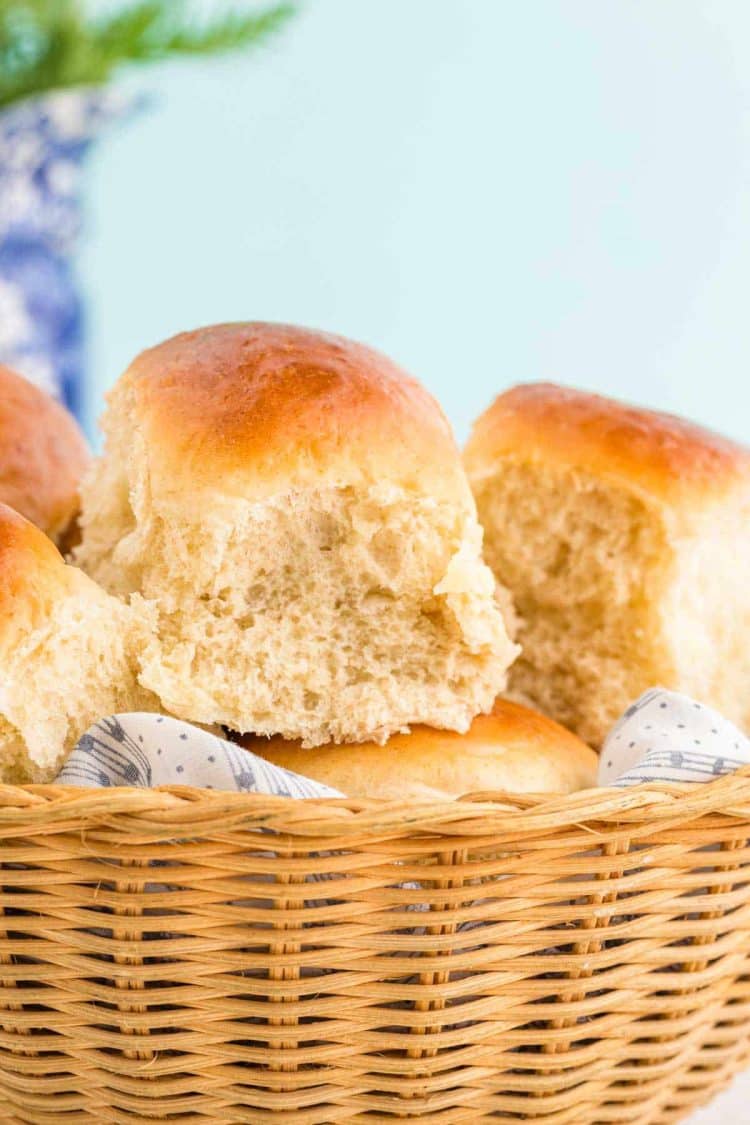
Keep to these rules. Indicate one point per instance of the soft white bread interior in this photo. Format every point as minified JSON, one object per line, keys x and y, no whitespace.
{"x":67,"y":653}
{"x":43,"y":456}
{"x":624,"y":538}
{"x":295,"y":509}
{"x":513,"y":749}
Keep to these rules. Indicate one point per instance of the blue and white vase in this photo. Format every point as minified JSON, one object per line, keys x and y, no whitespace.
{"x":43,"y":141}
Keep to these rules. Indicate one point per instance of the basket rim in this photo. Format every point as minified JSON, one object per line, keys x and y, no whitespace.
{"x":165,"y":810}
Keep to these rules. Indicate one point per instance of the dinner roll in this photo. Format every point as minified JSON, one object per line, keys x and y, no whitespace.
{"x":295,"y":508}
{"x":66,"y":653}
{"x":513,"y":749}
{"x":42,"y":455}
{"x":624,"y":537}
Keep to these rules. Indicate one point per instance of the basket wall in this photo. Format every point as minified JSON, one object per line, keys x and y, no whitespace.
{"x":174,"y":955}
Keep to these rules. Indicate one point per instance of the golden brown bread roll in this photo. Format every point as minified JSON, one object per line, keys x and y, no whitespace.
{"x":295,"y":508}
{"x":624,"y":537}
{"x":43,"y":455}
{"x":513,"y":749}
{"x":67,"y":653}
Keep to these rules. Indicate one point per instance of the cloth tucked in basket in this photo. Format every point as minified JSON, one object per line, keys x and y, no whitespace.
{"x":147,"y":750}
{"x":663,"y":736}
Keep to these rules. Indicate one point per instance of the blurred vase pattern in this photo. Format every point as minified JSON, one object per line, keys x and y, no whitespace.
{"x":43,"y":141}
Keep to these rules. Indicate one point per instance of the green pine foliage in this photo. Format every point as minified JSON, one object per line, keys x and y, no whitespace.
{"x":48,"y":44}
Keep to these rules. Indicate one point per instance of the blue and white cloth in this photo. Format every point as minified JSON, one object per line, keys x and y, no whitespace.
{"x":663,"y":736}
{"x":43,"y":141}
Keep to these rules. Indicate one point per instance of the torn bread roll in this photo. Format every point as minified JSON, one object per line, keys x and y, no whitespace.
{"x":295,"y":509}
{"x":624,"y":537}
{"x":67,"y":653}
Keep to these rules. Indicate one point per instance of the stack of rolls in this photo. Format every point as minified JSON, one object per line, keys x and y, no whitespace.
{"x":280,"y":539}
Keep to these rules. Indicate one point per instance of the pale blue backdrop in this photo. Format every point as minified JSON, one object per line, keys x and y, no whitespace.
{"x":488,"y":190}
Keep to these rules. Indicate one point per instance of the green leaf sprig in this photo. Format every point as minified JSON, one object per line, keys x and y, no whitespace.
{"x":52,"y":44}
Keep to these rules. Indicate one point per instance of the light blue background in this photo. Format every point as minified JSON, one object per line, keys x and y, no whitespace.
{"x":488,"y":190}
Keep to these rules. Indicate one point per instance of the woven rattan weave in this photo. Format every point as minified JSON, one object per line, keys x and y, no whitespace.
{"x":173,"y":955}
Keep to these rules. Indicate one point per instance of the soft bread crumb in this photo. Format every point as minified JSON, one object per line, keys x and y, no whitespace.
{"x":575,"y":552}
{"x":327,"y":615}
{"x":68,"y":652}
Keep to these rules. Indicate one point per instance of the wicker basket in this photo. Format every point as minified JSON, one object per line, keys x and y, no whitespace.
{"x":173,"y":955}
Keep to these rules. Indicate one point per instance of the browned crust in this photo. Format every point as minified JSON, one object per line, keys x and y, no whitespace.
{"x":43,"y":455}
{"x":272,"y":406}
{"x":513,"y":748}
{"x":32,"y":574}
{"x":657,"y":453}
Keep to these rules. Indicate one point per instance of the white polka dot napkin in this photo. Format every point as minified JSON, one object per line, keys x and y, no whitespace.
{"x":665,"y":736}
{"x":150,"y":750}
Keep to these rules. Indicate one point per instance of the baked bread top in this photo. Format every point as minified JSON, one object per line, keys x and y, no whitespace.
{"x":253,"y":407}
{"x":669,"y":458}
{"x":43,"y":455}
{"x":514,"y":748}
